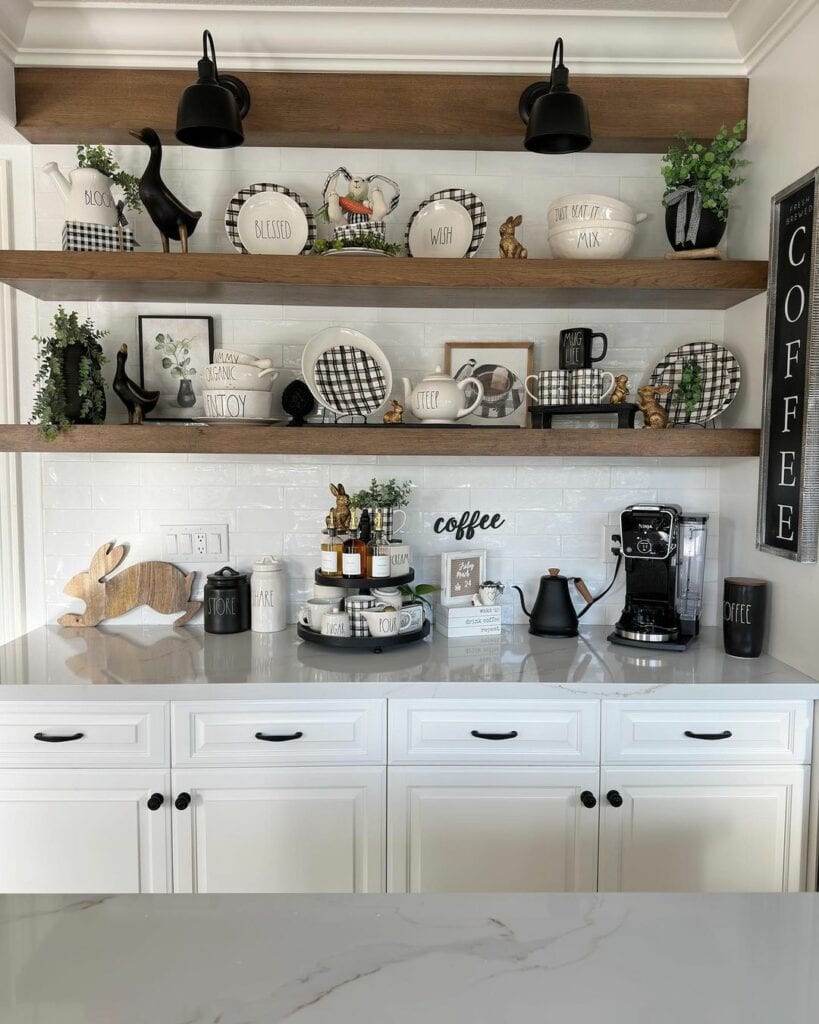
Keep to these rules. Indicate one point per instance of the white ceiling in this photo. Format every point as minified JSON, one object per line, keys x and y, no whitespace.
{"x":619,"y":6}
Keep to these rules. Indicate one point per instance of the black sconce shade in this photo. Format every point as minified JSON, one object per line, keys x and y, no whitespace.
{"x":210,"y":113}
{"x":556,"y":119}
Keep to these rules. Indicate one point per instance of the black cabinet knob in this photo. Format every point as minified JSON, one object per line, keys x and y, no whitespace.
{"x":614,"y":798}
{"x":155,"y":801}
{"x":588,"y":799}
{"x":182,"y":802}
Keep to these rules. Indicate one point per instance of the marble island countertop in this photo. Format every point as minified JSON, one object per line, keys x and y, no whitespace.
{"x":157,"y":662}
{"x":453,"y":959}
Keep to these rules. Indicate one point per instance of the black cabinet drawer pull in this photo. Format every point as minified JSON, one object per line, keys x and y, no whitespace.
{"x":155,"y":801}
{"x":278,"y":738}
{"x":708,"y":735}
{"x":41,"y":736}
{"x":182,"y":802}
{"x":614,"y":798}
{"x":494,"y":735}
{"x":588,"y":799}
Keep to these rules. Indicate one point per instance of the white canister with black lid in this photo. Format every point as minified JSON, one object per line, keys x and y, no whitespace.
{"x":268,"y":596}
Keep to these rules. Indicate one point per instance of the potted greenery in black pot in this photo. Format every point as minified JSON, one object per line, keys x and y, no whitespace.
{"x":699,"y":179}
{"x":69,"y":381}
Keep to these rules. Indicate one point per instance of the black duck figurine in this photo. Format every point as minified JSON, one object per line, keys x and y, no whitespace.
{"x":171,"y":218}
{"x":136,"y":400}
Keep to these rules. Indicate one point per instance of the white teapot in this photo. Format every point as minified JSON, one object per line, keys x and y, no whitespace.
{"x":87,"y":195}
{"x":439,"y":398}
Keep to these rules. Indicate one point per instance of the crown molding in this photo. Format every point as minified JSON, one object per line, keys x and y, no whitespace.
{"x":760,"y":25}
{"x":140,"y":35}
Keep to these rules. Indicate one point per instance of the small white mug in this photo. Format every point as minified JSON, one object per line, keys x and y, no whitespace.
{"x":381,"y":622}
{"x":335,"y":624}
{"x":313,"y":611}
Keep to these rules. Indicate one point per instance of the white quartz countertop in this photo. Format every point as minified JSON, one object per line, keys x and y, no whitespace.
{"x":470,"y":959}
{"x":158,"y":662}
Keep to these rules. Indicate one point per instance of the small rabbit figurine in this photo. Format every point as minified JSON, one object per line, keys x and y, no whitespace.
{"x":621,"y":391}
{"x":654,"y":415}
{"x":160,"y":585}
{"x":510,"y":248}
{"x":396,"y":414}
{"x":342,"y":509}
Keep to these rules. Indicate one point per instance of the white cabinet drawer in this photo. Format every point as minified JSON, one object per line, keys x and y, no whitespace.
{"x":494,"y":732}
{"x":267,"y":732}
{"x":705,"y":732}
{"x":83,"y":734}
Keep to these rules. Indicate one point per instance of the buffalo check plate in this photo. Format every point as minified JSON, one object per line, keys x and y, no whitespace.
{"x":346,"y":372}
{"x":720,"y":376}
{"x":473,"y":206}
{"x":282,"y":219}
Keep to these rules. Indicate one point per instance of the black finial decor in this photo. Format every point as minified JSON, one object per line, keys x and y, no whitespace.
{"x":297,"y":402}
{"x":172,"y":219}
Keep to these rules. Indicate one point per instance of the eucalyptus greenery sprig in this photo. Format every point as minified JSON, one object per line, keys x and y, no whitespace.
{"x":689,"y":391}
{"x":101,"y":159}
{"x":712,"y":168}
{"x":367,"y":241}
{"x":50,"y":406}
{"x":386,"y":494}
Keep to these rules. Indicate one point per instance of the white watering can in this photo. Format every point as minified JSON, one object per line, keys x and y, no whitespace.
{"x":87,"y":194}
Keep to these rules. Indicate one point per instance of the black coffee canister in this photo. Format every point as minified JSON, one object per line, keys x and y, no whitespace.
{"x":744,"y":616}
{"x":227,"y":601}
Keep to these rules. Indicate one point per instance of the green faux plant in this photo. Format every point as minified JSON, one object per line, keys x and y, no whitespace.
{"x":688,"y":393}
{"x":50,"y":409}
{"x":176,"y":356}
{"x":419,"y":592}
{"x":367,"y":241}
{"x":712,"y":168}
{"x":101,"y":159}
{"x":386,"y":494}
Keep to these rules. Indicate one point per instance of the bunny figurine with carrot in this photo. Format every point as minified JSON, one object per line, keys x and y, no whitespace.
{"x":160,"y":585}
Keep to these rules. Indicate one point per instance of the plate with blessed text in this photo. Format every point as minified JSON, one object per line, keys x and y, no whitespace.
{"x":271,"y":220}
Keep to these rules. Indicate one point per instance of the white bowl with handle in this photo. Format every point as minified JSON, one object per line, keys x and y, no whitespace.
{"x":581,"y":207}
{"x":231,"y":355}
{"x":594,"y":240}
{"x":233,"y":376}
{"x":237,"y":405}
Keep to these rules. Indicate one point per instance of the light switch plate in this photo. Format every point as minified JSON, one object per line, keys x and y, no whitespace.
{"x":208,"y":543}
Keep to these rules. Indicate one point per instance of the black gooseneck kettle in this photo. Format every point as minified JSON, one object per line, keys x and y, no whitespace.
{"x":553,"y":613}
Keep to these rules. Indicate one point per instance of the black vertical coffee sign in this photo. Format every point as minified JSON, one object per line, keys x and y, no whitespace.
{"x":789,"y":472}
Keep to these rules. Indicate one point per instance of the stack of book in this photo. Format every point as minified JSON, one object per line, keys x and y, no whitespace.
{"x":484,"y":620}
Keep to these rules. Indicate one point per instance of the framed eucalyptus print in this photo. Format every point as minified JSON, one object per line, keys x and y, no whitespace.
{"x":788,"y":510}
{"x":173,"y":353}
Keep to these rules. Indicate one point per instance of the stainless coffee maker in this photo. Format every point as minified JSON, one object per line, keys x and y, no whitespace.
{"x":664,"y":555}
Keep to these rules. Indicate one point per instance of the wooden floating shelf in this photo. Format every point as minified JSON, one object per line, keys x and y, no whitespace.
{"x":629,"y":113}
{"x":374,"y":281}
{"x":427,"y":443}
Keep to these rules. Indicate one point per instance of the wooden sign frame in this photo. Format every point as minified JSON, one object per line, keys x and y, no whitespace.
{"x":788,"y":506}
{"x":459,"y":596}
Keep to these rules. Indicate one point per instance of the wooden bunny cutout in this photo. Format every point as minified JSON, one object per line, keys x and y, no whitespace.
{"x":510,"y":248}
{"x":160,"y":585}
{"x":342,"y":509}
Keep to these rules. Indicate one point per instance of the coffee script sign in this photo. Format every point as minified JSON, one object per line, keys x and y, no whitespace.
{"x":788,"y":514}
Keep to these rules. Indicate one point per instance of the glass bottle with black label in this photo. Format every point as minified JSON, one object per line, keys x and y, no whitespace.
{"x":353,"y":552}
{"x":378,"y":551}
{"x":331,"y":549}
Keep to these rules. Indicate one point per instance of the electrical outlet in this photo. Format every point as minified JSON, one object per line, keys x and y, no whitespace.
{"x":196,"y":543}
{"x":611,"y":539}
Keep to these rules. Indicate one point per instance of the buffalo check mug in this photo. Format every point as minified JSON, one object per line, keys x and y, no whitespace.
{"x":590,"y":387}
{"x":551,"y":387}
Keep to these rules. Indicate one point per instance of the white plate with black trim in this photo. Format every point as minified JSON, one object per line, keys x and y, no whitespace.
{"x":474,"y":208}
{"x":270,"y":219}
{"x":441,"y":229}
{"x":720,"y":377}
{"x":346,"y":372}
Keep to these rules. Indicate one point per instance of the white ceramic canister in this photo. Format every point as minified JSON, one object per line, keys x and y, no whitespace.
{"x":268,"y":596}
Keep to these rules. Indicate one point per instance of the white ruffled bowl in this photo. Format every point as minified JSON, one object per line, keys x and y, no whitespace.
{"x":595,"y":240}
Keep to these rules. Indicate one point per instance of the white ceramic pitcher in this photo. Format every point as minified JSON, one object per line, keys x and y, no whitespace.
{"x":87,"y":194}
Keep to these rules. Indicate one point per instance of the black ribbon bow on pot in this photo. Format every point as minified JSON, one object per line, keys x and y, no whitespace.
{"x":679,"y":198}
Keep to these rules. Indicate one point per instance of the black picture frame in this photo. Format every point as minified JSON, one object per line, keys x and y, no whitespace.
{"x":152,"y":377}
{"x":788,"y":505}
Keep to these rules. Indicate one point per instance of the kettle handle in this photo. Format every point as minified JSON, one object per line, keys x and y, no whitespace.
{"x":584,"y":591}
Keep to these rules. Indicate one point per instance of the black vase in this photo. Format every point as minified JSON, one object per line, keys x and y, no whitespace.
{"x":72,"y":355}
{"x":709,"y":233}
{"x":185,"y":396}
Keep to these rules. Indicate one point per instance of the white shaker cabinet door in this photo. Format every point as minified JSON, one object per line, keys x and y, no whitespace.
{"x":279,"y":830}
{"x":84,"y":831}
{"x":714,"y":829}
{"x":492,"y":830}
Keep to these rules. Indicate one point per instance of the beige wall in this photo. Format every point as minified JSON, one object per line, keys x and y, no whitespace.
{"x":783,"y":144}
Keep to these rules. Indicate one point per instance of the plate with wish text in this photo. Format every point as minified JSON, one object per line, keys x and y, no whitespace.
{"x":442,"y":229}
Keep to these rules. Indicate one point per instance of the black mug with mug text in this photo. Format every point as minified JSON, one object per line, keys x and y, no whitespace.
{"x":576,"y":348}
{"x":744,"y":616}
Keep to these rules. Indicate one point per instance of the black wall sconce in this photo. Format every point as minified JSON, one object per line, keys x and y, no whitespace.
{"x":556,"y":119}
{"x":210,"y":113}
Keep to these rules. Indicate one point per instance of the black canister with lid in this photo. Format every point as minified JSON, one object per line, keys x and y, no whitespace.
{"x":227,"y":601}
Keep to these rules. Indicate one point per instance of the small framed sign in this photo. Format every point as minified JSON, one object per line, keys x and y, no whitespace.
{"x":788,"y":511}
{"x":461,"y":575}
